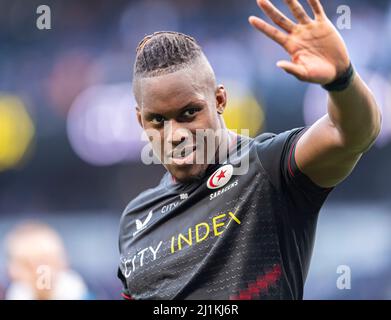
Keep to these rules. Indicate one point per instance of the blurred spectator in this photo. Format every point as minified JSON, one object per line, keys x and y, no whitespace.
{"x":37,"y":266}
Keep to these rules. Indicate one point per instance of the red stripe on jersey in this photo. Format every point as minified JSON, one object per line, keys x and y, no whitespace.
{"x":260,"y":285}
{"x":125,"y":296}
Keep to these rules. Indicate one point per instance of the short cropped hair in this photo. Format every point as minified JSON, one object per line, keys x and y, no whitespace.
{"x":165,"y":52}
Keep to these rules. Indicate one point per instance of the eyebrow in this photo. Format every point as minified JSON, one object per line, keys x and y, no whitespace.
{"x":196,"y":103}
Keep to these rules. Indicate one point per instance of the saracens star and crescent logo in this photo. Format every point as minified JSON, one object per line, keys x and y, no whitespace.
{"x":220,"y":177}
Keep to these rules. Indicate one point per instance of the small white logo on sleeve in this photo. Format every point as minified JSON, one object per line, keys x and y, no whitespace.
{"x":142,"y":225}
{"x":220,"y":177}
{"x":183,"y":196}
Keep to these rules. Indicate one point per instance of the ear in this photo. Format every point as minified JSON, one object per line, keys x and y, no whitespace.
{"x":139,"y":117}
{"x":221,"y":99}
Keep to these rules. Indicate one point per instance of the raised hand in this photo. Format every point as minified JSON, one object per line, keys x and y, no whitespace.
{"x":318,"y":53}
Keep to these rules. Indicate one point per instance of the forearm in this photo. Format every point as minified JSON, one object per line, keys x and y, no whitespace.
{"x":355,"y":115}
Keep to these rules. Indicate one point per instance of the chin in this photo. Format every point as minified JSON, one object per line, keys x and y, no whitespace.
{"x":188,"y":173}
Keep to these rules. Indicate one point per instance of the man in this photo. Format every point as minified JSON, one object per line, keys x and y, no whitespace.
{"x":38,"y":266}
{"x":206,"y":232}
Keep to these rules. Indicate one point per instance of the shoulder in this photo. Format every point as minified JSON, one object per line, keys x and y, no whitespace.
{"x":272,"y":147}
{"x":275,"y":150}
{"x":263,"y":137}
{"x":269,"y":140}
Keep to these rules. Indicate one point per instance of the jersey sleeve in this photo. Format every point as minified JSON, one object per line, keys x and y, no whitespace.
{"x":277,"y":156}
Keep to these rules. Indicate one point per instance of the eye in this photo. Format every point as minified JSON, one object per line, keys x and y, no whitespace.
{"x":157,"y":119}
{"x":191,"y":112}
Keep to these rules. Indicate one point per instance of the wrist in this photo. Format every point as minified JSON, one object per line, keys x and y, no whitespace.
{"x":342,"y":81}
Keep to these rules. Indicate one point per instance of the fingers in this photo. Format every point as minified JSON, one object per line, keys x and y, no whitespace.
{"x":317,"y":8}
{"x":270,"y":31}
{"x":294,"y":69}
{"x":276,"y":15}
{"x":298,"y":11}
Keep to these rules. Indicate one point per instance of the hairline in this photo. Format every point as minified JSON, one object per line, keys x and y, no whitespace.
{"x":201,"y":60}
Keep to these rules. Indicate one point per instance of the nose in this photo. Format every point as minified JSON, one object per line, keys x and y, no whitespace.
{"x":176,"y":133}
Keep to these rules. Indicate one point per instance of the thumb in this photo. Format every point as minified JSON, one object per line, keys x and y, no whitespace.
{"x":294,"y":69}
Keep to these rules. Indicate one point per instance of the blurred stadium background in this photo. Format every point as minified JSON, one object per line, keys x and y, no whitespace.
{"x":70,"y":143}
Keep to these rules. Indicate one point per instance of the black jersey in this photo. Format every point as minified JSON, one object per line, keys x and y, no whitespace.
{"x":226,"y":236}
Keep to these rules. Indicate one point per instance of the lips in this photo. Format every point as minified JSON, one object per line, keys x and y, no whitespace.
{"x":183,"y":155}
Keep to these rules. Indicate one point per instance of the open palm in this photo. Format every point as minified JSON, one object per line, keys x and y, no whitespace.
{"x":318,"y":53}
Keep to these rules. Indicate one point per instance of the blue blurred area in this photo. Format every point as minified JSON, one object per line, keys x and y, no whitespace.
{"x":78,"y":75}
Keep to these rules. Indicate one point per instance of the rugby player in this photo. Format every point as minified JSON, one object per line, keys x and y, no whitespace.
{"x":206,"y":232}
